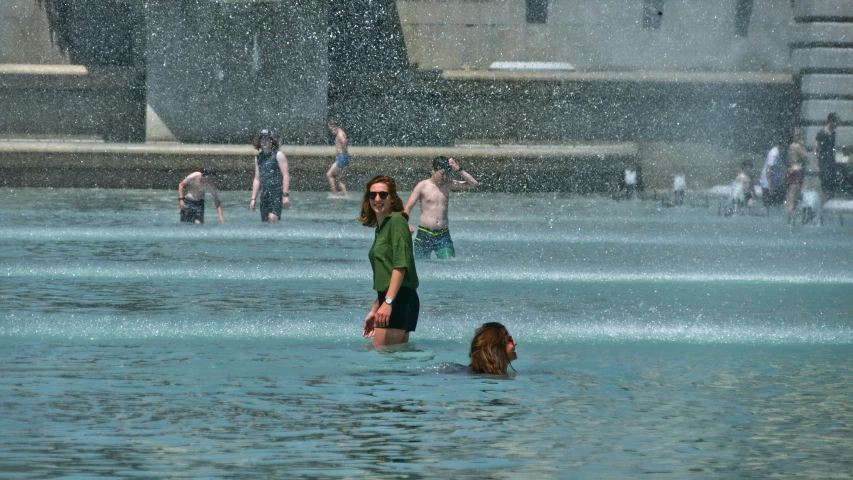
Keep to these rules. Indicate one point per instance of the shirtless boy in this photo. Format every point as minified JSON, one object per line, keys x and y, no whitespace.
{"x":191,"y":196}
{"x":342,"y":159}
{"x":433,"y":194}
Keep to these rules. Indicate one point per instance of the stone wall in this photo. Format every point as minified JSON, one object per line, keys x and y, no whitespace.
{"x":822,"y":55}
{"x":596,"y":35}
{"x":24,"y":35}
{"x":221,"y":71}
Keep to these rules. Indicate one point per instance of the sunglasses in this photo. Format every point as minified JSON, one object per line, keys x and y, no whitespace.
{"x":372,"y":195}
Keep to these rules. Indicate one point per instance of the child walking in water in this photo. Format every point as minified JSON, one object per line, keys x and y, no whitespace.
{"x":335,"y":174}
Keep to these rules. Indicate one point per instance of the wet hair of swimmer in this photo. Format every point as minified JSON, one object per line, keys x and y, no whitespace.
{"x":208,"y":172}
{"x":488,"y":349}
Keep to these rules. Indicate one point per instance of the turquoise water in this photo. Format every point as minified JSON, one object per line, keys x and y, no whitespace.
{"x":652,"y":341}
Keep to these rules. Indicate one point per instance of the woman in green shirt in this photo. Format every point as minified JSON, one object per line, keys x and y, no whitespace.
{"x":395,"y":311}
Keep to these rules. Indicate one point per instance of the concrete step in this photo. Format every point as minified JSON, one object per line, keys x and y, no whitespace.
{"x":827,"y":85}
{"x":830,"y":60}
{"x":812,"y":9}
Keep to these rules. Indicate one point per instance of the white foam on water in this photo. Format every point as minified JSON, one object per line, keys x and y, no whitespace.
{"x":346,"y":272}
{"x":348,"y":330}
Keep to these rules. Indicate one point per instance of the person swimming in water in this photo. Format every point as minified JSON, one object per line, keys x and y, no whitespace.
{"x":492,"y":349}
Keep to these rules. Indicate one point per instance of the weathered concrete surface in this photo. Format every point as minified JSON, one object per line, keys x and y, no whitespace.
{"x":597,"y":35}
{"x":221,"y":71}
{"x":24,"y":34}
{"x":108,"y":101}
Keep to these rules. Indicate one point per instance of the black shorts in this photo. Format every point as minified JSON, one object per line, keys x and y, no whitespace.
{"x":404,"y":310}
{"x":270,"y":203}
{"x":193,"y":210}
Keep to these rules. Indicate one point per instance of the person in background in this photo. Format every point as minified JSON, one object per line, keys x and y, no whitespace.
{"x":434,"y":195}
{"x":772,"y":177}
{"x":191,"y":196}
{"x":830,"y":177}
{"x":394,"y":313}
{"x":744,"y":182}
{"x":492,"y":349}
{"x":272,"y":178}
{"x":798,"y":158}
{"x":336,"y":171}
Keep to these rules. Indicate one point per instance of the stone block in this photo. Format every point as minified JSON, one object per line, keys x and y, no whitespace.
{"x":806,"y":9}
{"x":825,"y":85}
{"x":584,"y":13}
{"x":459,"y":12}
{"x":816,"y":59}
{"x":421,"y":12}
{"x":822,"y":33}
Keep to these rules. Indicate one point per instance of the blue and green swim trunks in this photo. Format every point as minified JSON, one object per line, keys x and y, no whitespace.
{"x":438,"y":241}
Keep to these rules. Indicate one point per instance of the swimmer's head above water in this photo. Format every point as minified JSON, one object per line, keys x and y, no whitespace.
{"x":492,"y":349}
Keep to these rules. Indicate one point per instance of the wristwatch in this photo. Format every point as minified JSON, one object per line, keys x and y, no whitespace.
{"x":388,"y":301}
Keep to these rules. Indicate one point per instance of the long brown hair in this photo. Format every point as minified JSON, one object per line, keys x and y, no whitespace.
{"x":368,"y":216}
{"x":488,"y":349}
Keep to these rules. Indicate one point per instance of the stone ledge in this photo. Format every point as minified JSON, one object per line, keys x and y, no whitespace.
{"x":35,"y":77}
{"x":162,"y":165}
{"x":628,"y":77}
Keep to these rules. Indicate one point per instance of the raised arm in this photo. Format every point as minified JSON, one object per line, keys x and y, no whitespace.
{"x":467,"y":184}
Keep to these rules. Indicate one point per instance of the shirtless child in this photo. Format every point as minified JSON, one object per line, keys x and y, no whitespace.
{"x":191,"y":196}
{"x":342,"y":159}
{"x":433,"y":193}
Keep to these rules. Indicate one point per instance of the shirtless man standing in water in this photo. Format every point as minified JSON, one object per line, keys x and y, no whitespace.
{"x":191,"y":196}
{"x":342,"y":159}
{"x":434,"y":193}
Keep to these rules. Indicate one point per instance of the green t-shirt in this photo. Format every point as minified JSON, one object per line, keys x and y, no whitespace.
{"x":392,"y":248}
